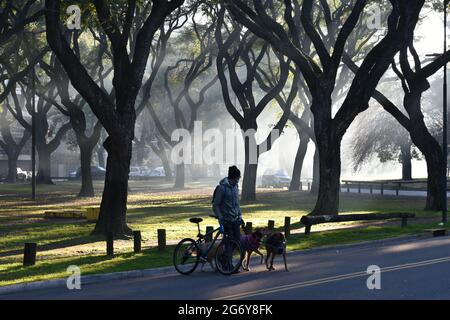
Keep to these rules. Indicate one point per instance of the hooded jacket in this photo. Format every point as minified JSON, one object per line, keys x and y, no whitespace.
{"x":225,"y":202}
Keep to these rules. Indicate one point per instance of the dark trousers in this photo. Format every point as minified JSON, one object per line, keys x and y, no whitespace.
{"x":232,"y":229}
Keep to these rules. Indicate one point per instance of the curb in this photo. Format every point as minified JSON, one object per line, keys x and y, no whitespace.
{"x":89,"y":279}
{"x":370,"y":243}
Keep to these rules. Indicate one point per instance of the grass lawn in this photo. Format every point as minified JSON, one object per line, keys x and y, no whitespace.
{"x":152,"y":206}
{"x":14,"y":273}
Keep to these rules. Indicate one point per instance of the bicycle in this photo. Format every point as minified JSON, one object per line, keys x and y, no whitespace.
{"x":189,"y":252}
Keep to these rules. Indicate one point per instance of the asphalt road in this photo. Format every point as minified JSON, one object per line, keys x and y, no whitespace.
{"x":409,"y":270}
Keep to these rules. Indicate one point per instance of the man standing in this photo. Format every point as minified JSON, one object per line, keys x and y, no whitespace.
{"x":226,"y":204}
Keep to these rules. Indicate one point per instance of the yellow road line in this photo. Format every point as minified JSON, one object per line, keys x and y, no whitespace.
{"x":332,"y":279}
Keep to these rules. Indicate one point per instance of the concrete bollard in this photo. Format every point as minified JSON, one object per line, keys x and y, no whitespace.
{"x":271,"y":225}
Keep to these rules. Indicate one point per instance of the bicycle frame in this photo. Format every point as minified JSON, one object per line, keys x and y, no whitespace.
{"x":205,"y":253}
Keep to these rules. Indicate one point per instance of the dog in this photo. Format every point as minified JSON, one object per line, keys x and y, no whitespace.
{"x":251,"y":243}
{"x":275,"y":244}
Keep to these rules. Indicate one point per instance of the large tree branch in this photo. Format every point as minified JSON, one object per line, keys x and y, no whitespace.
{"x":343,"y":36}
{"x":53,"y":145}
{"x":160,"y":10}
{"x":434,"y":66}
{"x":99,"y":101}
{"x":20,"y":24}
{"x":306,"y":18}
{"x":388,"y":105}
{"x":265,"y":27}
{"x":159,"y":125}
{"x":159,"y":54}
{"x":303,"y":125}
{"x":401,"y":23}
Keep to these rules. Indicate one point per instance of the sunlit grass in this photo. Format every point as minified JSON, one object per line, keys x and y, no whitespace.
{"x":13,"y":273}
{"x":155,"y":206}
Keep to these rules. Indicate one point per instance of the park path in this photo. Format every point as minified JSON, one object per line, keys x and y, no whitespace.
{"x":389,"y":192}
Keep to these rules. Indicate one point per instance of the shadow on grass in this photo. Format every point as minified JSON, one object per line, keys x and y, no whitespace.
{"x":351,"y":235}
{"x":56,"y":245}
{"x":57,"y":268}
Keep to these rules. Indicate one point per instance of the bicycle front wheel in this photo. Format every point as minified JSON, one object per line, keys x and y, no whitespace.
{"x":229,"y":257}
{"x":186,"y":256}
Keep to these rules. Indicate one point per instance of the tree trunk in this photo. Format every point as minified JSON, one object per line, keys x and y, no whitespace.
{"x":87,"y":187}
{"x":140,"y":152}
{"x":113,"y":208}
{"x":12,"y":167}
{"x":436,"y":184}
{"x":44,"y":166}
{"x":298,"y":164}
{"x":250,"y":168}
{"x":179,"y":176}
{"x":249,"y":181}
{"x":406,"y":162}
{"x":101,"y":157}
{"x":316,"y":173}
{"x":166,"y":165}
{"x":430,"y":148}
{"x":328,"y":144}
{"x":160,"y":151}
{"x":432,"y":151}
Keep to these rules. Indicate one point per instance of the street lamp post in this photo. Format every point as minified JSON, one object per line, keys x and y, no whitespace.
{"x":444,"y":138}
{"x":33,"y":138}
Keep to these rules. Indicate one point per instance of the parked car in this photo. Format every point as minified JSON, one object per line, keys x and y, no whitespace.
{"x":23,"y":175}
{"x":73,"y":174}
{"x":140,"y":172}
{"x":158,"y":172}
{"x":97,"y":172}
{"x":135,"y":172}
{"x":275,"y":178}
{"x":145,"y":171}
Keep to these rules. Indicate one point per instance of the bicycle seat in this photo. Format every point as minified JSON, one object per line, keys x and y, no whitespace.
{"x":195,"y":220}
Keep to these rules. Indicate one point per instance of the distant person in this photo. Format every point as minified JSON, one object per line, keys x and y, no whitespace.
{"x":226,"y":206}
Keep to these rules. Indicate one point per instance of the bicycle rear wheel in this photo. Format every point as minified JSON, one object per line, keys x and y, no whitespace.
{"x":186,"y":256}
{"x":228,"y":261}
